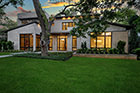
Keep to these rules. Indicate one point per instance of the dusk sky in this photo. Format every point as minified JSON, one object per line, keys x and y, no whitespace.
{"x":50,"y":6}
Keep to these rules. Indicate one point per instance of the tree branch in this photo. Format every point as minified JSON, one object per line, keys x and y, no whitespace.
{"x":5,"y":4}
{"x":62,"y":12}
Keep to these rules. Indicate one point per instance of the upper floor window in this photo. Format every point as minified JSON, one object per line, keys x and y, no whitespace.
{"x":65,"y":25}
{"x":24,"y":21}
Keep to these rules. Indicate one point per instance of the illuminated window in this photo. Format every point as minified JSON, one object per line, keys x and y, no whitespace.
{"x":51,"y":43}
{"x":68,"y":18}
{"x":102,"y":41}
{"x":63,"y":18}
{"x":26,"y":42}
{"x":53,"y":24}
{"x":24,"y":22}
{"x":62,"y":43}
{"x":37,"y":42}
{"x":65,"y":25}
{"x":74,"y":43}
{"x":38,"y":38}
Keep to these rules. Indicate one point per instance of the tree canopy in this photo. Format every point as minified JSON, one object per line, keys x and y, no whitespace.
{"x":4,"y":20}
{"x":94,"y":16}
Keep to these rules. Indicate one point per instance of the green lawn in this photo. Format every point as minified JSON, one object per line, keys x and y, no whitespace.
{"x":5,"y":53}
{"x":77,"y":75}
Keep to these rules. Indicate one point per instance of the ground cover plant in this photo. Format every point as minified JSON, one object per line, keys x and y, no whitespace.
{"x":51,"y":55}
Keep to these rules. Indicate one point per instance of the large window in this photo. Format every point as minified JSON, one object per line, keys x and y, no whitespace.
{"x":65,"y":25}
{"x":62,"y":43}
{"x":50,"y":46}
{"x":26,"y":42}
{"x":37,"y":42}
{"x":102,"y":41}
{"x":74,"y":43}
{"x":51,"y":43}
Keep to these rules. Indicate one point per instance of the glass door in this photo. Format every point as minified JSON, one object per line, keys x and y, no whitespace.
{"x":62,"y":43}
{"x":26,"y":42}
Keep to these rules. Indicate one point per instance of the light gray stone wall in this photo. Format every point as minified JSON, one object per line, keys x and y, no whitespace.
{"x":14,"y":35}
{"x":57,"y":28}
{"x":118,"y":33}
{"x":69,"y":43}
{"x":117,"y":36}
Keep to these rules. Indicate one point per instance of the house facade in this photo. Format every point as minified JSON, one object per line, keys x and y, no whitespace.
{"x":27,"y":35}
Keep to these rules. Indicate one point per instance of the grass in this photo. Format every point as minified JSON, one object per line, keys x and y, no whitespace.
{"x":9,"y":52}
{"x":5,"y":53}
{"x":77,"y":75}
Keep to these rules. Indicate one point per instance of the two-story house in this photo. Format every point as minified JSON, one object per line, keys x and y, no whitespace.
{"x":27,"y":35}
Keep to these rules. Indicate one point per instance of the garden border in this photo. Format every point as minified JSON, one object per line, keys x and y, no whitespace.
{"x":112,"y":56}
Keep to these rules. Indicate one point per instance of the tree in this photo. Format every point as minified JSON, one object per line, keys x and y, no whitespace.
{"x":4,"y":20}
{"x":4,"y":3}
{"x":95,"y":14}
{"x":44,"y":23}
{"x":133,"y":39}
{"x":123,"y":15}
{"x":45,"y":26}
{"x":135,"y":3}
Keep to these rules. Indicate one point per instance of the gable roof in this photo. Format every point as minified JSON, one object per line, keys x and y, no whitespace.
{"x":121,"y":25}
{"x":19,"y":26}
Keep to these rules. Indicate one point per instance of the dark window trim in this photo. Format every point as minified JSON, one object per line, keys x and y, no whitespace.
{"x":104,"y":40}
{"x":28,"y":48}
{"x":38,"y":47}
{"x":66,"y":28}
{"x":50,"y":48}
{"x":58,"y":39}
{"x":72,"y":43}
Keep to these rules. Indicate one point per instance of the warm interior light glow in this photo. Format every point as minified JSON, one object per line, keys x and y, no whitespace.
{"x":62,"y":39}
{"x":91,"y":33}
{"x":53,"y":24}
{"x":63,"y":18}
{"x":73,"y":18}
{"x":38,"y":25}
{"x":68,"y":18}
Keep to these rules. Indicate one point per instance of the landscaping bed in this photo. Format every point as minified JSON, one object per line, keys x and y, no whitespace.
{"x":113,"y":56}
{"x":52,"y":56}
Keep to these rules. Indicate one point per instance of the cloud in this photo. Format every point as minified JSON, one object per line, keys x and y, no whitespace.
{"x":13,"y":14}
{"x":19,"y":10}
{"x":58,"y":3}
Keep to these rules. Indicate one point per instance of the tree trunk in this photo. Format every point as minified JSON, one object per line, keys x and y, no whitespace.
{"x":44,"y":27}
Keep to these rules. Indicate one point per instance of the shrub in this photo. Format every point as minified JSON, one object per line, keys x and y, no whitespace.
{"x":121,"y":47}
{"x":4,"y":46}
{"x":10,"y":45}
{"x":52,"y":56}
{"x":136,"y":51}
{"x":84,"y":45}
{"x":110,"y":51}
{"x":115,"y":51}
{"x":0,"y":46}
{"x":94,"y":50}
{"x":102,"y":51}
{"x":88,"y":51}
{"x":78,"y":50}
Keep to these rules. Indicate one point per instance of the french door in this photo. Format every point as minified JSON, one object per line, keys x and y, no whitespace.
{"x":26,"y":42}
{"x":62,"y":43}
